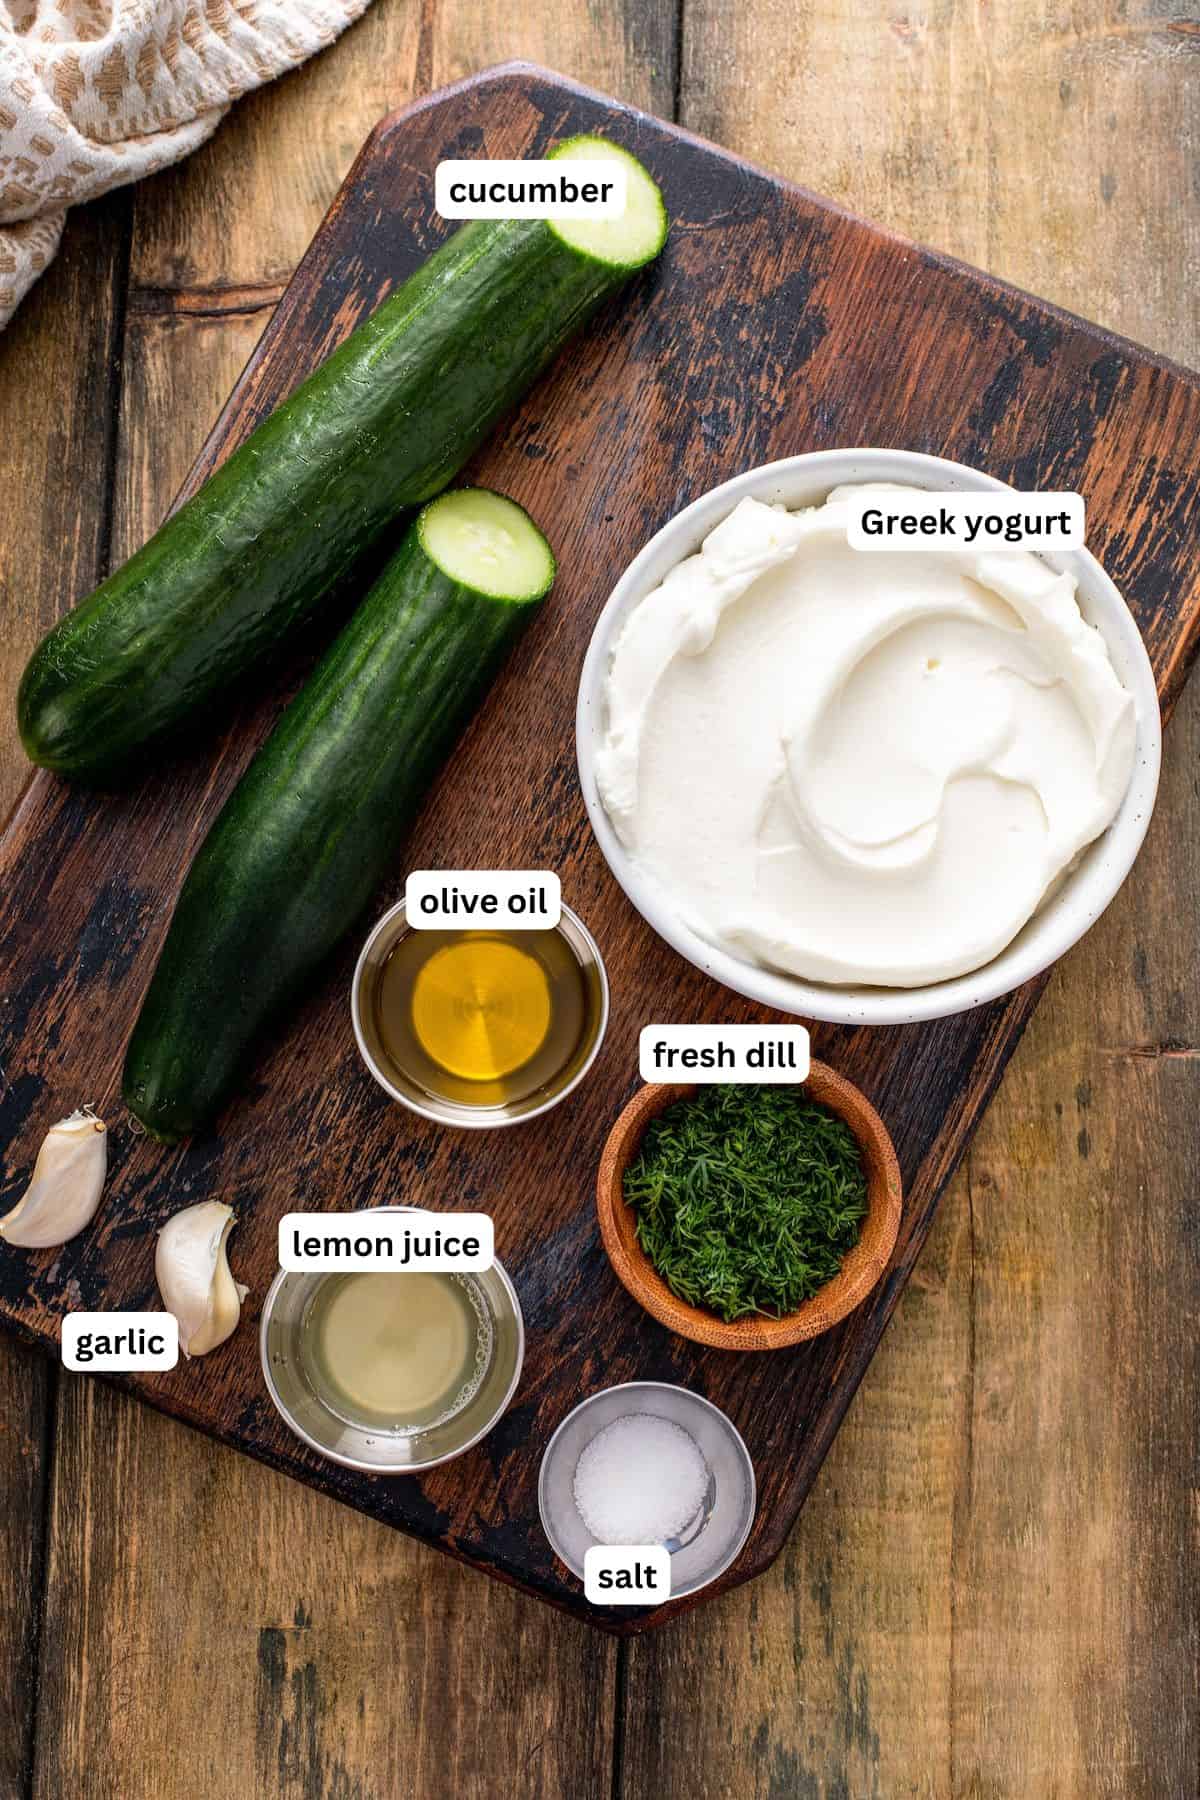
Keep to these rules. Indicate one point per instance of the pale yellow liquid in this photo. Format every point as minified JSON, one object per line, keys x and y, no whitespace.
{"x":392,"y":1349}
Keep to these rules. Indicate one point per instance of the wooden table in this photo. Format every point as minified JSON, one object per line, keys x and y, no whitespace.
{"x":992,"y":1591}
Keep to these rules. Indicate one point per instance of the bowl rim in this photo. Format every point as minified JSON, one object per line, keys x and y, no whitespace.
{"x":354,"y":1462}
{"x":484,"y":1118}
{"x":673,"y":1387}
{"x":1052,"y":930}
{"x":832,"y":1302}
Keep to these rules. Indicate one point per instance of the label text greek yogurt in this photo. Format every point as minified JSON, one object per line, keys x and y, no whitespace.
{"x":954,"y":521}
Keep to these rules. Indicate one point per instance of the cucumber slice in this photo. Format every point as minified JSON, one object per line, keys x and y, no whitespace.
{"x":487,"y":543}
{"x":637,"y":236}
{"x":380,"y":428}
{"x":318,"y":817}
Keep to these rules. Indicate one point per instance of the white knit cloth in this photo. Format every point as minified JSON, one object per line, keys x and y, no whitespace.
{"x":94,"y":93}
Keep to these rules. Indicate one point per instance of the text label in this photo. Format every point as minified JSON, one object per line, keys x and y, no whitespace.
{"x":322,"y":1243}
{"x":499,"y":188}
{"x":518,"y":899}
{"x":953,"y":521}
{"x":118,"y":1342}
{"x":627,"y":1574}
{"x":716,"y":1053}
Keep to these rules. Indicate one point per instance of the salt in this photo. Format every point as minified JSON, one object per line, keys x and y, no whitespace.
{"x":640,"y":1481}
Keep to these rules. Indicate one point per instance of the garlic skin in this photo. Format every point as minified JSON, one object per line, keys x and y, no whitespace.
{"x":192,"y":1271}
{"x":65,"y":1187}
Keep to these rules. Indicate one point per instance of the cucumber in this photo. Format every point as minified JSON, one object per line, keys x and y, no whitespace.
{"x":383,"y":425}
{"x":315,"y":822}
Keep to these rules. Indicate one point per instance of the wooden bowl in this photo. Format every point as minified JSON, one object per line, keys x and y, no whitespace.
{"x":861,"y":1269}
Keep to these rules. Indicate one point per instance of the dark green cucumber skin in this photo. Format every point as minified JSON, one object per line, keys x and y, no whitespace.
{"x":380,"y":427}
{"x":307,"y":835}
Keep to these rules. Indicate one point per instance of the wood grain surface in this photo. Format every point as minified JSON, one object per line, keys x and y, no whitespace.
{"x":864,"y":1662}
{"x":771,"y":324}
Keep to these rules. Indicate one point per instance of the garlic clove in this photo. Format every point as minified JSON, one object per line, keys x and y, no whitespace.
{"x":65,"y":1187}
{"x":193,"y":1275}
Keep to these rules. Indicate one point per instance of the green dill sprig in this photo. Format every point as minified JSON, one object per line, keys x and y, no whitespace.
{"x":747,"y":1198}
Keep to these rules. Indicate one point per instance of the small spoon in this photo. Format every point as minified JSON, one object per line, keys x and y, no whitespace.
{"x":692,"y":1530}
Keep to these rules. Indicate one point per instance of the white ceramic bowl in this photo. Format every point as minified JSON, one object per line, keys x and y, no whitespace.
{"x":806,"y":481}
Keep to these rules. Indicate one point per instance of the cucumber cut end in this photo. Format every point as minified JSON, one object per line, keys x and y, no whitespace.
{"x":488,"y":543}
{"x":637,"y":236}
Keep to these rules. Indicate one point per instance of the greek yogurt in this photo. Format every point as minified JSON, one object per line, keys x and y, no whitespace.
{"x":859,"y":769}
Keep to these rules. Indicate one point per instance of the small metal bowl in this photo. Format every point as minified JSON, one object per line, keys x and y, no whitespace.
{"x":409,"y":1092}
{"x":711,"y":1542}
{"x":370,"y":1448}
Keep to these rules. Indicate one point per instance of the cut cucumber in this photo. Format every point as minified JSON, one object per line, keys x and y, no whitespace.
{"x":314,"y":824}
{"x":382,"y":426}
{"x":639,"y":233}
{"x":487,"y":543}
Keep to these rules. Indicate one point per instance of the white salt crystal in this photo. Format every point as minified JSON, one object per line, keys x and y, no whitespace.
{"x":640,"y":1481}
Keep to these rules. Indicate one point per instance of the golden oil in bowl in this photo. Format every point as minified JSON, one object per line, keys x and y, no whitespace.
{"x":479,"y":1027}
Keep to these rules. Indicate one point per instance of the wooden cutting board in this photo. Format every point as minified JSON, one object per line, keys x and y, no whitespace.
{"x":774,"y":323}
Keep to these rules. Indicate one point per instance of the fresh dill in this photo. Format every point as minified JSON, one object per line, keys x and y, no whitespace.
{"x":747,"y":1198}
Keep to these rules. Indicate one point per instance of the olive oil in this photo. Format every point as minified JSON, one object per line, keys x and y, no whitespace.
{"x":400,"y":1352}
{"x":481,"y":1018}
{"x":481,"y":1008}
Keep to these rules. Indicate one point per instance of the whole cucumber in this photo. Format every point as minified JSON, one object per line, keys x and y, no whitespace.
{"x":384,"y":424}
{"x":316,"y":820}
